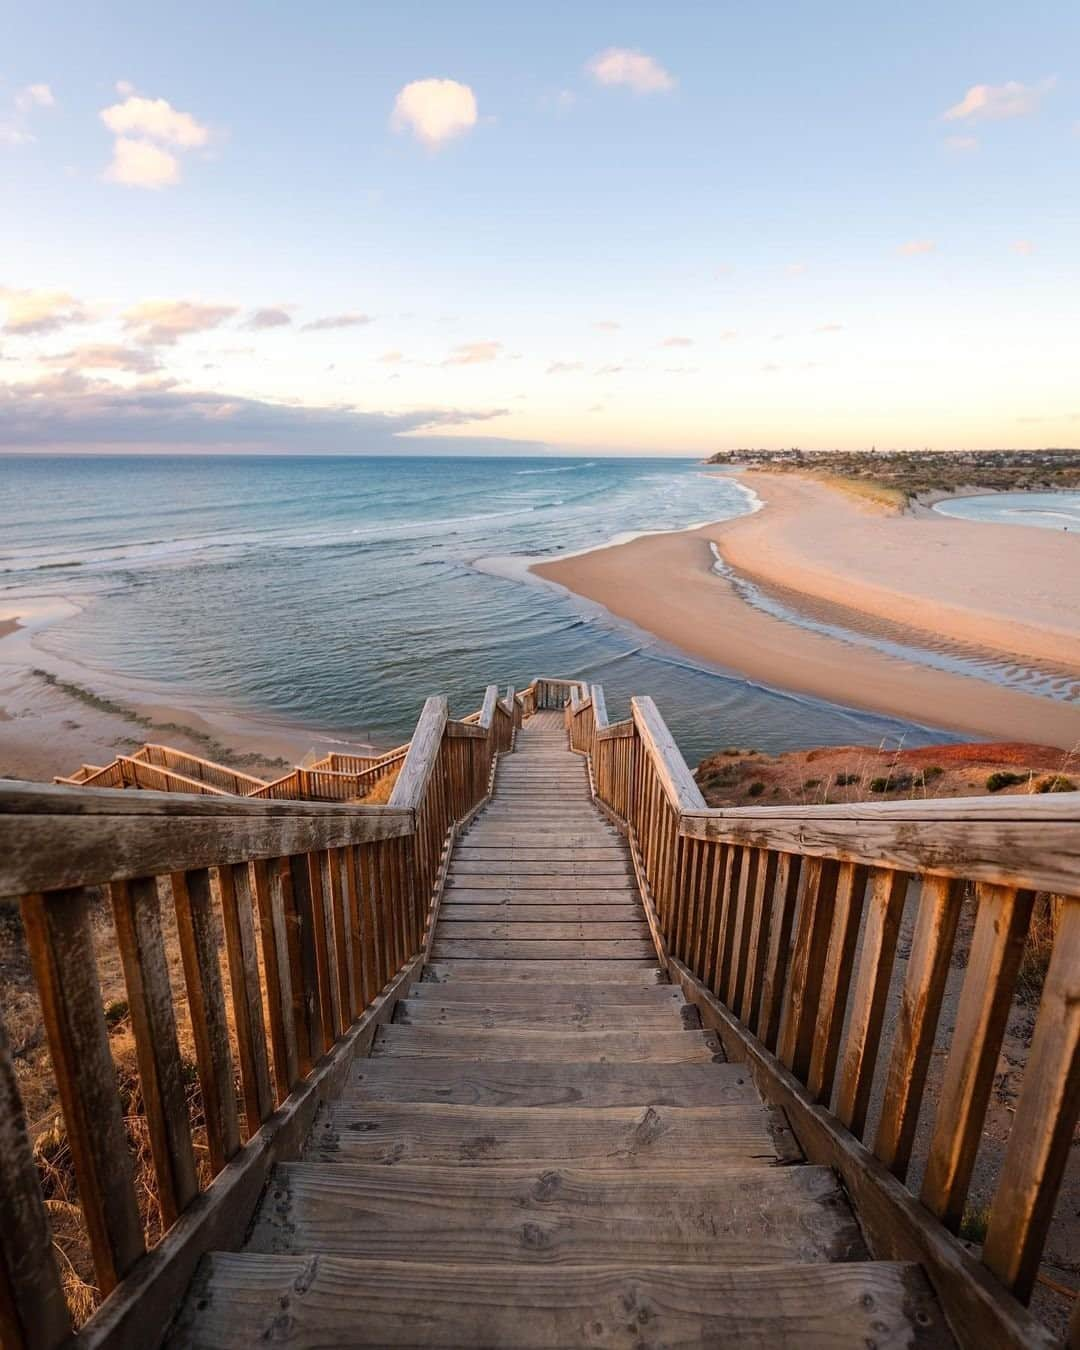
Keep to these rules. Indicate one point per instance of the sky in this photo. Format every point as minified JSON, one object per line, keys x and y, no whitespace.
{"x":589,"y":227}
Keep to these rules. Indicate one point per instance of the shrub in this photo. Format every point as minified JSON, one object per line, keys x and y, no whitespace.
{"x":811,"y":783}
{"x":1002,"y":778}
{"x":1056,"y":782}
{"x":892,"y":783}
{"x":974,"y":1224}
{"x":846,"y":779}
{"x":932,"y":771}
{"x":755,"y":789}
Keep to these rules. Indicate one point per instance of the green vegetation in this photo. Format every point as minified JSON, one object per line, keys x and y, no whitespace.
{"x":975,"y":1223}
{"x":1056,"y":782}
{"x":755,"y":789}
{"x":847,"y":779}
{"x":1002,"y":778}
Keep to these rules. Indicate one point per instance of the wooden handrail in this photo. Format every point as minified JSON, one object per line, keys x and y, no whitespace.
{"x":325,"y":909}
{"x":782,"y":924}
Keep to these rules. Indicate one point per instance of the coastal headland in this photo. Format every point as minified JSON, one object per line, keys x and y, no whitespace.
{"x":852,"y":589}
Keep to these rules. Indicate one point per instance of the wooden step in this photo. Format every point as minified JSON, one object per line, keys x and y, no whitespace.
{"x":569,"y":1083}
{"x":526,"y":867}
{"x":643,"y":971}
{"x":558,"y":1216}
{"x":472,"y":909}
{"x":607,"y":1138}
{"x":467,"y":851}
{"x":552,"y":1045}
{"x":541,"y":1014}
{"x":250,"y":1300}
{"x":515,"y":880}
{"x":572,"y":949}
{"x":517,"y":930}
{"x":525,"y":994}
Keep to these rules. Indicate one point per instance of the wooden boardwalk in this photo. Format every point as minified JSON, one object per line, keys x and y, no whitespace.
{"x":544,"y":1148}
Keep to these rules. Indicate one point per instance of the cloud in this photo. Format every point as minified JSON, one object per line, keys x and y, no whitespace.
{"x":434,"y":110}
{"x":610,"y":370}
{"x":140,"y":164}
{"x":15,"y":131}
{"x":271,"y":317}
{"x":795,"y":269}
{"x":829,"y":328}
{"x":995,"y":102}
{"x":161,"y":323}
{"x":142,"y":126}
{"x":391,"y":358}
{"x":564,"y":367}
{"x":67,"y":410}
{"x":961,"y":145}
{"x":619,"y":65}
{"x":31,"y":312}
{"x":914,"y":247}
{"x":107,"y":356}
{"x":474,"y":353}
{"x":677,"y":342}
{"x":1023,"y":246}
{"x":350,"y":320}
{"x":608,"y":326}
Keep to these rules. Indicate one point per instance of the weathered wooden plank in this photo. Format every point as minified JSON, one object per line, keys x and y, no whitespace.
{"x":551,"y":1044}
{"x":234,"y":885}
{"x":626,"y":896}
{"x":514,"y":910}
{"x":349,"y":1301}
{"x":206,"y":1003}
{"x":541,"y":881}
{"x":137,"y":916}
{"x":274,"y":940}
{"x":412,"y":779}
{"x":528,"y":994}
{"x":33,"y":1313}
{"x":644,"y":971}
{"x":606,"y":1138}
{"x":916,"y":1021}
{"x":836,"y":979}
{"x":533,"y":949}
{"x":517,"y":930}
{"x":539,"y":1015}
{"x":568,"y":1083}
{"x":559,"y":1216}
{"x":1001,"y":924}
{"x":678,"y":782}
{"x":61,"y":948}
{"x":817,"y":891}
{"x":460,"y":868}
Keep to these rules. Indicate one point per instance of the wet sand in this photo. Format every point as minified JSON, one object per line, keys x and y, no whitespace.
{"x":1007,"y":590}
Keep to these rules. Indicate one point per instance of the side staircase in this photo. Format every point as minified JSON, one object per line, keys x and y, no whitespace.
{"x":544,"y":1147}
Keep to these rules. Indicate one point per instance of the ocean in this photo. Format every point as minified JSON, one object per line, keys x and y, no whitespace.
{"x":1047,"y":510}
{"x":336,"y":593}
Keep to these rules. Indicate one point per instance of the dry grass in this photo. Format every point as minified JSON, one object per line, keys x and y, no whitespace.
{"x":380,"y":793}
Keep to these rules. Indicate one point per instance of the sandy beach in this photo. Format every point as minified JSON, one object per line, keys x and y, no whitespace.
{"x":1009,"y":592}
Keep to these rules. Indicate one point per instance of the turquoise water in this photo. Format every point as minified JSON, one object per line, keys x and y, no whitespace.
{"x":1046,"y":510}
{"x":337,"y":593}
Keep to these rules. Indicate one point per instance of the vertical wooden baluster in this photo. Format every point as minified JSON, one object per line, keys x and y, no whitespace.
{"x":774,"y":976}
{"x":338,"y":928}
{"x":836,"y":979}
{"x":234,"y":884}
{"x":1001,"y":925}
{"x":372,"y":949}
{"x":758,"y":940}
{"x":817,"y":893}
{"x":721,"y":967}
{"x":885,"y":909}
{"x":740,"y":940}
{"x":1042,"y":1130}
{"x":916,"y":1021}
{"x":60,"y":942}
{"x":275,"y":952}
{"x":309,"y":1033}
{"x":33,"y":1313}
{"x":711,"y":917}
{"x":322,"y":914}
{"x":206,"y":1003}
{"x":351,"y":919}
{"x":690,"y":887}
{"x":137,"y":913}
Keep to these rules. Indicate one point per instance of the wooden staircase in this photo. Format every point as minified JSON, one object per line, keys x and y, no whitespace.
{"x":544,"y":1148}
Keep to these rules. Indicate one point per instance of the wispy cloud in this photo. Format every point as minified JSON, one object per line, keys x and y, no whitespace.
{"x":795,"y":269}
{"x":677,"y":342}
{"x":107,"y":356}
{"x":474,"y":353}
{"x":35,"y":312}
{"x":391,"y":358}
{"x":435,"y":111}
{"x":1023,"y":246}
{"x":608,"y":326}
{"x":620,"y":65}
{"x":161,"y":323}
{"x":961,"y":145}
{"x":15,"y":130}
{"x":564,"y":367}
{"x":995,"y":102}
{"x":273,"y":316}
{"x":829,"y":328}
{"x":914,"y":247}
{"x":143,"y":127}
{"x":328,"y":321}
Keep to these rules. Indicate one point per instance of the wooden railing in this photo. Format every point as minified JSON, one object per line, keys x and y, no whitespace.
{"x":782,"y":924}
{"x":324,"y":910}
{"x":200,"y":770}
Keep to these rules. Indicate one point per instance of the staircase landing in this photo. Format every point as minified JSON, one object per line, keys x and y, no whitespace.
{"x":545,"y":1148}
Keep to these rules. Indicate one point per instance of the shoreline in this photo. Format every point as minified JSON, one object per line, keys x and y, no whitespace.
{"x":667,"y":586}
